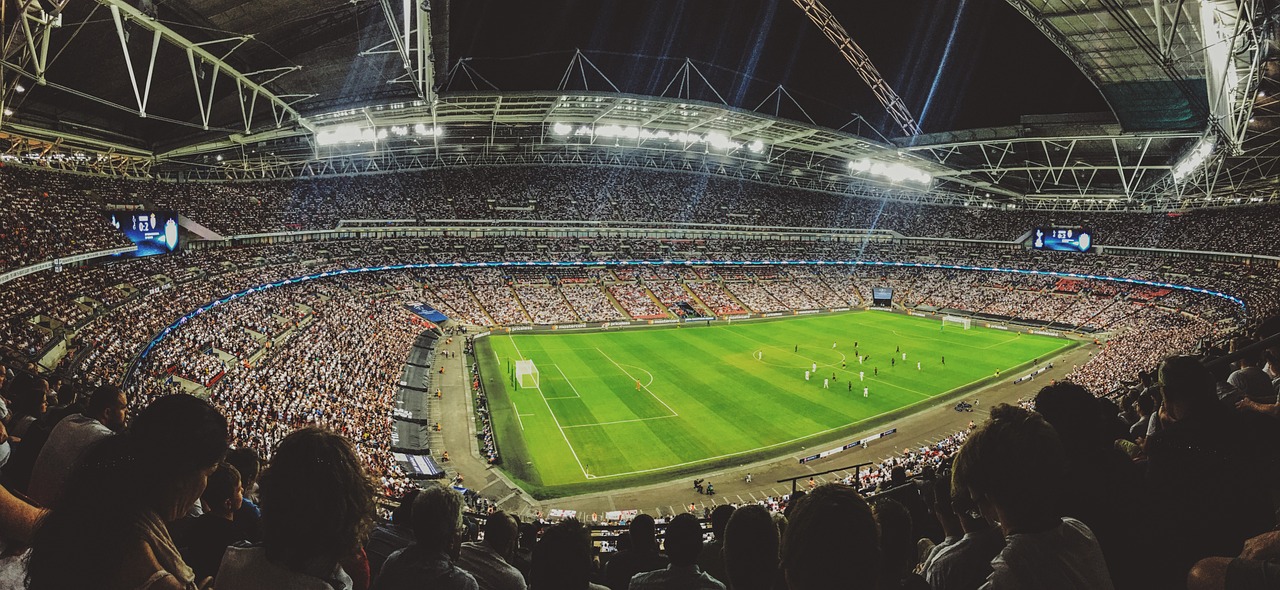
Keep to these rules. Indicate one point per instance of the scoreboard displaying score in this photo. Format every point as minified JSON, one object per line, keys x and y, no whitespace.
{"x":1062,"y":239}
{"x":882,"y":296}
{"x":154,"y":232}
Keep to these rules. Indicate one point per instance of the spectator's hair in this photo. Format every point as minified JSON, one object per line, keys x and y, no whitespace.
{"x":1146,"y":403}
{"x":437,"y":515}
{"x":792,"y":501}
{"x":221,"y":485}
{"x":562,"y":558}
{"x":317,"y":500}
{"x":643,"y":533}
{"x":402,"y":515}
{"x":751,"y":549}
{"x":1016,"y":459}
{"x":831,"y":534}
{"x":247,"y":462}
{"x":719,"y":518}
{"x":117,"y":482}
{"x":1185,"y":380}
{"x":684,"y":539}
{"x":501,"y":532}
{"x":26,"y":392}
{"x":180,"y":434}
{"x":101,"y":398}
{"x":1070,"y":409}
{"x":897,"y":545}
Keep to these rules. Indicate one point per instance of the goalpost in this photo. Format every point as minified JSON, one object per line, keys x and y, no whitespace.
{"x":526,"y":374}
{"x":951,"y":319}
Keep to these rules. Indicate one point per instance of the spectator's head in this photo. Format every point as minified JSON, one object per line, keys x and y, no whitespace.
{"x":829,"y":534}
{"x":437,"y":518}
{"x":684,"y":540}
{"x":562,"y":558}
{"x":224,"y":493}
{"x":942,"y":507}
{"x":28,"y":394}
{"x":247,"y":463}
{"x":1146,"y":403}
{"x":643,"y":533}
{"x":751,"y":549}
{"x":897,"y":545}
{"x":402,"y":515}
{"x":317,"y":501}
{"x":897,"y":476}
{"x":719,"y":518}
{"x":108,"y":405}
{"x":528,"y":535}
{"x":500,"y":532}
{"x":180,"y":439}
{"x":1187,"y":386}
{"x":792,"y":501}
{"x":1071,"y":410}
{"x":1011,"y":467}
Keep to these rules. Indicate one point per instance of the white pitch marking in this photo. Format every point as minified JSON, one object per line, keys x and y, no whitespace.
{"x":554,"y":418}
{"x":645,"y":387}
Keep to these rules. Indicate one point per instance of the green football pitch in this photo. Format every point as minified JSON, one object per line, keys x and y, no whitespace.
{"x":625,"y":407}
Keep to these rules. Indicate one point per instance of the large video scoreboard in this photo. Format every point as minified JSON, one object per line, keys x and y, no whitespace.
{"x":1062,"y":239}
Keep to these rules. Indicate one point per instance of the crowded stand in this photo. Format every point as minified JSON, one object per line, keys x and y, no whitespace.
{"x":635,"y":300}
{"x":590,"y":303}
{"x":558,"y":194}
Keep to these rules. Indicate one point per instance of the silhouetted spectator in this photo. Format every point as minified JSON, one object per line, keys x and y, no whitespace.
{"x":831,"y":541}
{"x":392,"y":536}
{"x":248,"y":518}
{"x":643,"y":556}
{"x":207,"y":537}
{"x":488,"y":561}
{"x":711,"y":559}
{"x":683,"y":542}
{"x":1212,"y":467}
{"x":104,"y":415}
{"x":437,"y":534}
{"x":317,"y":508}
{"x":108,"y":530}
{"x":751,"y":550}
{"x":562,"y":559}
{"x":1012,"y":468}
{"x":1101,"y":487}
{"x":897,"y":546}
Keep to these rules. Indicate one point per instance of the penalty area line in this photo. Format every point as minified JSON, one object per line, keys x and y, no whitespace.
{"x":646,"y":387}
{"x":563,"y":434}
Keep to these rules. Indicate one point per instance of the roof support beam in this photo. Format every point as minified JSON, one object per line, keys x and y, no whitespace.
{"x":123,"y":11}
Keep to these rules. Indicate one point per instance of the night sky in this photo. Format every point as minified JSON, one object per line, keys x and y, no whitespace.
{"x":958,"y":64}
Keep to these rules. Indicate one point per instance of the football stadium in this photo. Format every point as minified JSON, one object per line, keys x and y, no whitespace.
{"x":584,"y":294}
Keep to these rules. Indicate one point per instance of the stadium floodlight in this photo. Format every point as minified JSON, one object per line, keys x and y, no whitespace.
{"x":894,"y":172}
{"x":420,"y":129}
{"x":1192,"y":161}
{"x":712,"y":139}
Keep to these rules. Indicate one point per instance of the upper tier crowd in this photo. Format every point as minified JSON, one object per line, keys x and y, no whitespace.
{"x":48,"y":215}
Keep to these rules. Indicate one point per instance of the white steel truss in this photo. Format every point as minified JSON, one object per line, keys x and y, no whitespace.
{"x":411,"y":39}
{"x":857,"y":58}
{"x":248,"y":91}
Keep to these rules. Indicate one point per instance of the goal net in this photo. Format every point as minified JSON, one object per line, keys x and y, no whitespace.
{"x":526,"y":374}
{"x":951,"y":319}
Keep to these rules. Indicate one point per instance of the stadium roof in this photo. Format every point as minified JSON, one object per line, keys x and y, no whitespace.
{"x":242,"y":81}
